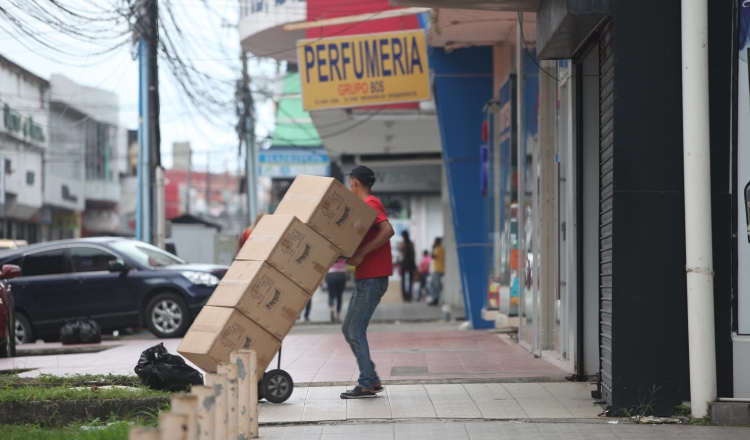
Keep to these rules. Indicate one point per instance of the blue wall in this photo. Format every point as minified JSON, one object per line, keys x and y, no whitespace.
{"x":463,"y":85}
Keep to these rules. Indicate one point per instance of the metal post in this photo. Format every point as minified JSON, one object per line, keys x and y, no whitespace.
{"x":143,"y":217}
{"x":251,"y":170}
{"x":159,"y":207}
{"x":141,"y":127}
{"x":698,"y":227}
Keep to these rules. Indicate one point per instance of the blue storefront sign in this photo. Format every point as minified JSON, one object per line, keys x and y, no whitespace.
{"x":288,"y":163}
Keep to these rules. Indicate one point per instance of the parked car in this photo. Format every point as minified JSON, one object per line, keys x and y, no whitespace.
{"x":117,"y":282}
{"x":7,"y":335}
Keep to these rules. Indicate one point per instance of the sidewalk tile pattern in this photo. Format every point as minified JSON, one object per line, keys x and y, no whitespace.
{"x":436,"y":401}
{"x":501,"y":431}
{"x":449,"y":354}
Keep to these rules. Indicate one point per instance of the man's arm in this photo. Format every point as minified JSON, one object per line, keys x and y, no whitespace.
{"x":385,"y":232}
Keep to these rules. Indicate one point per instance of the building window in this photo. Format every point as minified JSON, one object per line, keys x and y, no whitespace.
{"x":99,"y":140}
{"x":29,"y":177}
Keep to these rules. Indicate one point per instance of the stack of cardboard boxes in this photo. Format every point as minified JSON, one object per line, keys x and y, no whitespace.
{"x":277,"y":271}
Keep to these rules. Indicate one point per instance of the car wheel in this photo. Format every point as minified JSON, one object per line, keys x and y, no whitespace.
{"x":24,"y":333}
{"x":167,"y":315}
{"x":8,"y":348}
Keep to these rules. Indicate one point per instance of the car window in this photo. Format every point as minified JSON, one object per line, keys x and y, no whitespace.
{"x":90,"y":259}
{"x":146,"y":254}
{"x":18,"y":261}
{"x":44,"y":263}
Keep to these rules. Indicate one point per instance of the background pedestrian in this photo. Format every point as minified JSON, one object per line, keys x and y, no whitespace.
{"x":424,"y":275}
{"x":438,"y":269}
{"x":408,"y":265}
{"x":336,"y":281}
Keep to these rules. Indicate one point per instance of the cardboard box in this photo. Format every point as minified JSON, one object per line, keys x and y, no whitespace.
{"x":217,"y":331}
{"x":263,"y":294}
{"x":331,"y":209}
{"x":292,"y":248}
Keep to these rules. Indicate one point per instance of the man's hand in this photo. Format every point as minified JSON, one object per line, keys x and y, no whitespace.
{"x":356,"y":259}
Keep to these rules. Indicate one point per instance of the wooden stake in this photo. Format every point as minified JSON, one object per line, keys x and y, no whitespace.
{"x":141,"y":433}
{"x":187,"y":404}
{"x":219,"y":382}
{"x":230,"y":370}
{"x":173,"y":426}
{"x":206,"y":410}
{"x":254,"y":394}
{"x":247,"y":392}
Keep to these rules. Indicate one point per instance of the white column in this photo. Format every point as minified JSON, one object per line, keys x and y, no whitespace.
{"x":698,"y":245}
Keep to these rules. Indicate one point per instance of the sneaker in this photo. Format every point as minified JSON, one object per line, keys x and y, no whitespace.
{"x":378,"y":388}
{"x":358,"y":393}
{"x":333,"y":316}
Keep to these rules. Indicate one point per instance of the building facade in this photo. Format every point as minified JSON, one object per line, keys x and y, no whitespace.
{"x":82,"y":187}
{"x":401,"y":142}
{"x":24,"y":139}
{"x":587,"y":195}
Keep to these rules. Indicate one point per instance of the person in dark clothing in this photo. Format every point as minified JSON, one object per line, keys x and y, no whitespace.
{"x":336,"y":281}
{"x":408,"y":265}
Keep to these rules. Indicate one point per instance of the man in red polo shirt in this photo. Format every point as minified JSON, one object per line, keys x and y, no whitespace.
{"x":373,"y":267}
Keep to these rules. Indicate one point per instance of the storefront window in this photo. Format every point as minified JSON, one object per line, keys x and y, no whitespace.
{"x":528,"y":150}
{"x":500,"y":201}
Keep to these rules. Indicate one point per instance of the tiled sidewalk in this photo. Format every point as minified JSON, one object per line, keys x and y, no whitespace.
{"x":492,"y":401}
{"x":500,"y":431}
{"x":410,"y":355}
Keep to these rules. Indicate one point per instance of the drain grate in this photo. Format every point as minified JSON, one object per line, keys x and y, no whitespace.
{"x":409,"y":371}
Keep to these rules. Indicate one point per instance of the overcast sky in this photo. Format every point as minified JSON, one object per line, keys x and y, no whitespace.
{"x":214,"y":44}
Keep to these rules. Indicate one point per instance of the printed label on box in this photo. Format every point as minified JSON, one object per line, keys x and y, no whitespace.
{"x":277,"y":295}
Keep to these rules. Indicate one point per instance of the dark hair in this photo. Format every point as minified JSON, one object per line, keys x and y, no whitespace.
{"x":405,"y":234}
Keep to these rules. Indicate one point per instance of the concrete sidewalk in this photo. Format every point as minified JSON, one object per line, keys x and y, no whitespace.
{"x":500,"y":431}
{"x":480,"y":401}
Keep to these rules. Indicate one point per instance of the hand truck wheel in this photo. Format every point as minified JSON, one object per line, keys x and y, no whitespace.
{"x":276,"y":386}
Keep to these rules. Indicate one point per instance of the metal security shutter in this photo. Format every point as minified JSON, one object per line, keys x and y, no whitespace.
{"x":606,"y":121}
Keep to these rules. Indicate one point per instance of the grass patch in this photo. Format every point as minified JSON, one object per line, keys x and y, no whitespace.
{"x":111,"y":429}
{"x":13,"y":380}
{"x":74,"y":387}
{"x":115,"y":431}
{"x":65,"y":392}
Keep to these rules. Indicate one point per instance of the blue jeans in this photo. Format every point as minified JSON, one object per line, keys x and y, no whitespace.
{"x":366,"y":296}
{"x":436,"y":286}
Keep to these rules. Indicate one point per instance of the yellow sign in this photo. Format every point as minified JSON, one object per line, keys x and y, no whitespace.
{"x":364,"y":70}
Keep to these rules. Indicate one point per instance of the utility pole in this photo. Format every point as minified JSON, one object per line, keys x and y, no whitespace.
{"x":146,"y":33}
{"x":156,"y":227}
{"x":247,"y":132}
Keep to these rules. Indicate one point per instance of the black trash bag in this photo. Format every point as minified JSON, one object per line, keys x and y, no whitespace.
{"x":160,"y":370}
{"x":70,"y":333}
{"x":81,"y":331}
{"x":90,"y":332}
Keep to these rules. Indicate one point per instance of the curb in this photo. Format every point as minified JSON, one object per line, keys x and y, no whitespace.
{"x":537,"y":379}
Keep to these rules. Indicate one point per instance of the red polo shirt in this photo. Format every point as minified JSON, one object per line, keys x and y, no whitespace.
{"x":378,"y":262}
